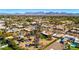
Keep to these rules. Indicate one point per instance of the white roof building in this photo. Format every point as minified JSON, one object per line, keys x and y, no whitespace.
{"x":2,"y":23}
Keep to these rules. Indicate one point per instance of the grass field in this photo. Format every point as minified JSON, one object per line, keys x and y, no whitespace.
{"x":7,"y":48}
{"x":73,"y":48}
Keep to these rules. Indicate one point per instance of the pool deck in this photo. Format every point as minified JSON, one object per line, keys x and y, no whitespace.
{"x":55,"y":46}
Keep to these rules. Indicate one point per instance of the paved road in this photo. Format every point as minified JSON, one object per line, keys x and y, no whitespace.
{"x":55,"y":46}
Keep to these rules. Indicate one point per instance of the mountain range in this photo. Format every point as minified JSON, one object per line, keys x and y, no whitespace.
{"x":41,"y":13}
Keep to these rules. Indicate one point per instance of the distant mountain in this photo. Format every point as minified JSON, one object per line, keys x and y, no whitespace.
{"x":51,"y":13}
{"x":41,"y":13}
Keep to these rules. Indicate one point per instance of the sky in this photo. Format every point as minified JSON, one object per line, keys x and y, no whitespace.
{"x":11,"y":11}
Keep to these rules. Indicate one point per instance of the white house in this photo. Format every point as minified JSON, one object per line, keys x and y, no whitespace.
{"x":2,"y":23}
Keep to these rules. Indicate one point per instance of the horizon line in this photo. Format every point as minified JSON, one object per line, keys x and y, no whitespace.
{"x":13,"y":11}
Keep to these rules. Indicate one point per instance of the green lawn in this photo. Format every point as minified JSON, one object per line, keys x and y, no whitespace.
{"x":73,"y":48}
{"x":42,"y":36}
{"x":7,"y":48}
